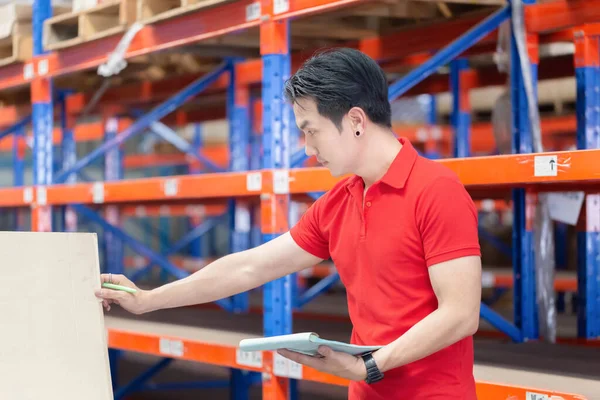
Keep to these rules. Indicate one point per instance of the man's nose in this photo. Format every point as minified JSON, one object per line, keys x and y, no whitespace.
{"x":310,"y":151}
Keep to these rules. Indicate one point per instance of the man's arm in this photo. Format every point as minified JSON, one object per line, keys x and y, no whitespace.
{"x":232,"y":274}
{"x":457,"y":286}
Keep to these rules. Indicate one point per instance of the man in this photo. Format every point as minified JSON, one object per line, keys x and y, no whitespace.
{"x":401,"y":230}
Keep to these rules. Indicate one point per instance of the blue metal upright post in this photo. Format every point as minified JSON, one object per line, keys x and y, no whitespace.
{"x":525,"y":310}
{"x":69,"y":156}
{"x":113,"y":171}
{"x":587,"y":73}
{"x":194,"y":168}
{"x":42,"y":120}
{"x":461,"y":109}
{"x":238,"y":114}
{"x":19,"y":171}
{"x":277,"y":296}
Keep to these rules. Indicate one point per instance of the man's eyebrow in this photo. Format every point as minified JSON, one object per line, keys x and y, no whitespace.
{"x":303,"y":125}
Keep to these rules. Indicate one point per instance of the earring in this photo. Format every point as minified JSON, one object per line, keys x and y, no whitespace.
{"x":357,"y":133}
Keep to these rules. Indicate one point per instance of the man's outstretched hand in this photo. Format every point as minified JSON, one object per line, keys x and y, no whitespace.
{"x":135,"y":303}
{"x":331,"y":362}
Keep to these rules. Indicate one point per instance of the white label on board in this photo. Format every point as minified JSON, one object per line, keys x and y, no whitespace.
{"x":254,"y":182}
{"x":98,"y":192}
{"x":43,"y":67}
{"x":249,"y":358}
{"x":170,"y":187}
{"x":545,"y":165}
{"x":28,"y":195}
{"x":41,"y":196}
{"x":535,"y":396}
{"x":28,"y":71}
{"x":281,"y":6}
{"x":253,"y":11}
{"x":285,"y":367}
{"x":171,"y":347}
{"x":281,"y":182}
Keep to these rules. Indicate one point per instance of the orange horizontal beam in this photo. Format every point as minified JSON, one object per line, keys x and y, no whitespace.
{"x":226,"y":356}
{"x":574,"y":168}
{"x":152,"y":189}
{"x":13,"y":197}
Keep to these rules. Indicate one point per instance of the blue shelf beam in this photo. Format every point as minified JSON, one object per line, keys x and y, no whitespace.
{"x":448,"y":53}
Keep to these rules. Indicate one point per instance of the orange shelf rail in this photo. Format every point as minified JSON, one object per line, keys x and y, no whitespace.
{"x":230,"y":356}
{"x":538,"y":171}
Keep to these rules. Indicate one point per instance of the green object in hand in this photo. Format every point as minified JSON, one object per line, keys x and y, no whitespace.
{"x":118,"y":287}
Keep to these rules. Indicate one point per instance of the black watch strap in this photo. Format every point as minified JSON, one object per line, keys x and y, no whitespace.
{"x":373,"y":372}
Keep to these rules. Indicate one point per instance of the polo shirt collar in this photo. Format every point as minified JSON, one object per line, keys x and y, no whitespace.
{"x":399,"y":171}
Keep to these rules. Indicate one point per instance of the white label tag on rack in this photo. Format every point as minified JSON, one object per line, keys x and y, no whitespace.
{"x":285,"y":367}
{"x":43,"y":67}
{"x":253,"y":11}
{"x":281,"y":182}
{"x":98,"y":192}
{"x":171,"y":347}
{"x":281,"y":6}
{"x":592,"y":209}
{"x":545,"y":165}
{"x":242,"y":219}
{"x":40,"y":196}
{"x":565,"y":206}
{"x":28,"y":71}
{"x":254,"y":182}
{"x":170,"y":187}
{"x":249,"y":358}
{"x":487,"y":279}
{"x":28,"y":195}
{"x":536,"y":396}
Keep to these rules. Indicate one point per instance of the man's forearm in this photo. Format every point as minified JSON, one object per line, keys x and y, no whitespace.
{"x":229,"y":275}
{"x":438,"y":330}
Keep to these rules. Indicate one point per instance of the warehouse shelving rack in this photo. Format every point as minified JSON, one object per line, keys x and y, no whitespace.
{"x":279,"y":176}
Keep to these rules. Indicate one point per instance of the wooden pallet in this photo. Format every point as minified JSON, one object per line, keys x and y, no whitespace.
{"x":150,"y":11}
{"x":106,"y":19}
{"x":17,"y":47}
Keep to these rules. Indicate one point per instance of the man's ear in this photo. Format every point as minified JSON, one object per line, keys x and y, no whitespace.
{"x":358,"y":119}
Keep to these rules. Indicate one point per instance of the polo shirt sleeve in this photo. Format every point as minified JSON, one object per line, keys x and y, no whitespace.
{"x":307,"y":233}
{"x":448,"y":222}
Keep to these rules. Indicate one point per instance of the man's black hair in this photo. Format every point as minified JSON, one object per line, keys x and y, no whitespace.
{"x":339,"y":79}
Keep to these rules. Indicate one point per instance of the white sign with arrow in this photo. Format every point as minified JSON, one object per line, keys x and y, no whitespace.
{"x":545,"y":166}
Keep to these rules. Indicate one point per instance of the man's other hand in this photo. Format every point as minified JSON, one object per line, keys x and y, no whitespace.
{"x":132,"y":302}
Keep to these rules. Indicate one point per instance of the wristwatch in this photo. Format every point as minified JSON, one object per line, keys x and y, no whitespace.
{"x":373,"y":372}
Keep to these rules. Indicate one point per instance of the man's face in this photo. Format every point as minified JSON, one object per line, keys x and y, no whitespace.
{"x":335,"y":150}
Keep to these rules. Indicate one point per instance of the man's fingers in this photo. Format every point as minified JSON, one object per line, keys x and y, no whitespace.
{"x":325,"y":351}
{"x":301,"y":358}
{"x":111,"y":278}
{"x":108,"y":294}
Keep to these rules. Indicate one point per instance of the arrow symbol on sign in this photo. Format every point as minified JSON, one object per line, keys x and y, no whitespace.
{"x":552,"y":165}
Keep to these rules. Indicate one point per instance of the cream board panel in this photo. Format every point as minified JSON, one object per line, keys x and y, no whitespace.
{"x":52,"y":335}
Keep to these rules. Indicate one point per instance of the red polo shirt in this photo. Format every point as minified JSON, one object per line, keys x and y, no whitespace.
{"x":419,"y":214}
